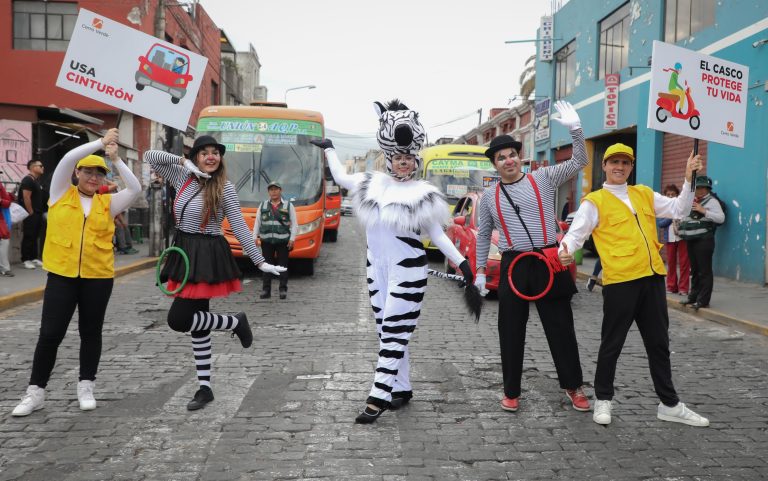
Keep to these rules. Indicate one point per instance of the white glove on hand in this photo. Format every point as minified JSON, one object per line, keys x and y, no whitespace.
{"x":193,"y":168}
{"x":270,"y":269}
{"x":568,"y":116}
{"x":480,"y":284}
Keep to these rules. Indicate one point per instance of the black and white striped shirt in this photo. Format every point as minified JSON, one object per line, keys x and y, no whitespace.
{"x":548,"y":179}
{"x":168,"y":166}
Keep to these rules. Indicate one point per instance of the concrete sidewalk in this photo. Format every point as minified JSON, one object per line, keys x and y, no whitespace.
{"x":737,"y":304}
{"x":28,"y":284}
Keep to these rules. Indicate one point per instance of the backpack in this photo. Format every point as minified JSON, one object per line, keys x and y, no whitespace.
{"x":723,"y":205}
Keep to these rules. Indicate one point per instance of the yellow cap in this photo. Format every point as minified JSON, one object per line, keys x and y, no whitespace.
{"x":93,"y":161}
{"x":619,"y":149}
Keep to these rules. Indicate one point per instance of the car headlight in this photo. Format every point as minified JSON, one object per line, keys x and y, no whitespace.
{"x":147,"y":68}
{"x":179,"y":81}
{"x":493,"y":252}
{"x":331,"y":212}
{"x":309,"y":227}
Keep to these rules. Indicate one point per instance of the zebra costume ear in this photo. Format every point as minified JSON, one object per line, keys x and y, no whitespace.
{"x":379,"y":108}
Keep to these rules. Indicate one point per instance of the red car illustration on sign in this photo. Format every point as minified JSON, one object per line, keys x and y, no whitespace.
{"x":165,"y":69}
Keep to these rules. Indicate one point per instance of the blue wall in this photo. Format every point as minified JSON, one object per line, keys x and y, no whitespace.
{"x":740,"y":175}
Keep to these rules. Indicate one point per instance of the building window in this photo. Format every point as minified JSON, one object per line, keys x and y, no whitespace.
{"x":614,"y":41}
{"x":43,"y":25}
{"x":565,"y":70}
{"x":686,"y":17}
{"x":214,"y":93}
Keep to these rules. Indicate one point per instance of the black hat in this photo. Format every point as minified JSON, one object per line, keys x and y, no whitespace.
{"x":703,"y":181}
{"x":205,"y":141}
{"x":502,"y":142}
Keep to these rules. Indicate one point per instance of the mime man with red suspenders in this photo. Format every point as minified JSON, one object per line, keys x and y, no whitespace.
{"x":521,"y":207}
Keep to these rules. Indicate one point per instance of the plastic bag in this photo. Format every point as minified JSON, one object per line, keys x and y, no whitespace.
{"x":18,"y":213}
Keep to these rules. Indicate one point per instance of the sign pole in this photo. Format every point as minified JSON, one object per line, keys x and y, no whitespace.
{"x":693,"y":174}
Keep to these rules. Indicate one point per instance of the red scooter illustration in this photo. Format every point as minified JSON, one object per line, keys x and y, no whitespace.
{"x":668,"y":107}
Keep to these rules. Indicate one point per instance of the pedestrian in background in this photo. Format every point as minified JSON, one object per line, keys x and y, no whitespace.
{"x":123,"y":241}
{"x":6,"y":199}
{"x":31,"y":198}
{"x":521,"y":208}
{"x":622,"y":221}
{"x":698,"y":229}
{"x":677,"y":250}
{"x":274,"y":230}
{"x":80,"y":262}
{"x":204,"y":197}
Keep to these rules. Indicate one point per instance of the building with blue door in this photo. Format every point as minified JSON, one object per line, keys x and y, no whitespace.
{"x":592,"y":40}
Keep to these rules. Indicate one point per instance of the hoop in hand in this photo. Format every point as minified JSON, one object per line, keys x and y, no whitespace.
{"x":158,"y":268}
{"x":543,"y":259}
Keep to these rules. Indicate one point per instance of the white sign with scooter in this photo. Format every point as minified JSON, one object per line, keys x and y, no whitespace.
{"x":697,"y":95}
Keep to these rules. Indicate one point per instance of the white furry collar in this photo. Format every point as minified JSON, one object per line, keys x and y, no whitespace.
{"x":410,"y":206}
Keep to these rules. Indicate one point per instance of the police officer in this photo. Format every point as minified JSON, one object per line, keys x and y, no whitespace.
{"x":275,"y":231}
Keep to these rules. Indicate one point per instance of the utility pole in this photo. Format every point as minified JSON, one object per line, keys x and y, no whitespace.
{"x":156,"y":211}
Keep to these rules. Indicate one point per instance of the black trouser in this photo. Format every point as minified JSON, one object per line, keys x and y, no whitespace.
{"x":182,"y":313}
{"x":700,"y":253}
{"x":556,"y":318}
{"x":644,"y":301}
{"x":31,"y":234}
{"x":275,"y":254}
{"x":62,"y":295}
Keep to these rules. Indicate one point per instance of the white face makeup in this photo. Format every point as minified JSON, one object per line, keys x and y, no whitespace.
{"x":208,"y":159}
{"x":507,"y":163}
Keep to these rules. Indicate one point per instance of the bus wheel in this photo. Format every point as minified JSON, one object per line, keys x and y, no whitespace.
{"x":331,"y":235}
{"x":308,"y":267}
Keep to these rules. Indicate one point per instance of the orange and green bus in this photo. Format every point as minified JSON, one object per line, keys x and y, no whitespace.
{"x":456,"y":169}
{"x":332,"y":207}
{"x":269,"y":142}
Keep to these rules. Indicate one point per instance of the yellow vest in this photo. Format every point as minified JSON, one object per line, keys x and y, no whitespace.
{"x":76,"y":246}
{"x":628,"y":244}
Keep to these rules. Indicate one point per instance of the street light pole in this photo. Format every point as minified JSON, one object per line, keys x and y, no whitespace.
{"x":285,"y":97}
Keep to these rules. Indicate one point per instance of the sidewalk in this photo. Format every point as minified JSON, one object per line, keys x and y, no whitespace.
{"x":28,"y":284}
{"x":738,"y":304}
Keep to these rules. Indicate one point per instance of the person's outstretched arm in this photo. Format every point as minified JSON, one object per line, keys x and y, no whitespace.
{"x":678,"y":207}
{"x":569,"y":118}
{"x":61,"y":179}
{"x":339,"y":173}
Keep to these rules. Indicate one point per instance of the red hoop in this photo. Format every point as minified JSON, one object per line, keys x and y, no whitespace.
{"x":543,"y":293}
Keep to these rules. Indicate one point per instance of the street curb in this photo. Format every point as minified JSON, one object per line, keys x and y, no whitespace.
{"x":31,"y":295}
{"x":705,"y":313}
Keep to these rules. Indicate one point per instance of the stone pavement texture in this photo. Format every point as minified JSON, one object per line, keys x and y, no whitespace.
{"x":284,"y":408}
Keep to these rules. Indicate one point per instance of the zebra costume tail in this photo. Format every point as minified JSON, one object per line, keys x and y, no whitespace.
{"x":472,"y":298}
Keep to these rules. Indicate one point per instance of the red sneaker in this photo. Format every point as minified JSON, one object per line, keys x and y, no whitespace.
{"x":509,"y":404}
{"x":578,"y":399}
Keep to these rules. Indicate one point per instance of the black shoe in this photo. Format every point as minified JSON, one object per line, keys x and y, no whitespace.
{"x":697,"y":305}
{"x":368,"y":415}
{"x":265,"y":294}
{"x":203,"y":396}
{"x":399,"y":399}
{"x":243,"y":330}
{"x":686,"y":302}
{"x":283,"y":292}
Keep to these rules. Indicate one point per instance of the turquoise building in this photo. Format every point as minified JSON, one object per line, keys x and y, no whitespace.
{"x":595,"y":38}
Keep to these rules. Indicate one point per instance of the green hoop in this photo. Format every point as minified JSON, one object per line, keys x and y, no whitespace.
{"x":158,"y":268}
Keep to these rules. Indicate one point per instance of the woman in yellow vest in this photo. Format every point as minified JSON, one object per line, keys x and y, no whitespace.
{"x":78,"y":256}
{"x":622,"y":221}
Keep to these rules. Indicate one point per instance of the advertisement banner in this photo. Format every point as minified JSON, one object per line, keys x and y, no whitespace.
{"x":541,"y":120}
{"x":130,"y":70}
{"x":611,"y":105}
{"x":546,"y":44}
{"x":697,"y":95}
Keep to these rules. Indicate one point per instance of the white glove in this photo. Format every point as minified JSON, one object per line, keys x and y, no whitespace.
{"x":270,"y":269}
{"x":193,"y":168}
{"x":480,"y":284}
{"x":568,"y":116}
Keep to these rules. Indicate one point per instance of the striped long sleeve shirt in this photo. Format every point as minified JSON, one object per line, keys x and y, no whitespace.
{"x":169,"y":167}
{"x":548,"y":179}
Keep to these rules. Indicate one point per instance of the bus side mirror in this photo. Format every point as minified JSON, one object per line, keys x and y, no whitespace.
{"x":331,"y":189}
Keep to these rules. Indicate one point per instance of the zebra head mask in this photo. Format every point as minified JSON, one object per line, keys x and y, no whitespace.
{"x":400,"y":132}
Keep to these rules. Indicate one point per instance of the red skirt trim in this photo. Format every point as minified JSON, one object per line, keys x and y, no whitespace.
{"x":203,"y":290}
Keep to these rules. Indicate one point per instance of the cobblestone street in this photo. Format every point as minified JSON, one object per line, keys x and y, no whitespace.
{"x":284,"y":408}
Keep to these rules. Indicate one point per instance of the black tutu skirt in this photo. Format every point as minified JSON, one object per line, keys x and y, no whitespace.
{"x":211,"y":266}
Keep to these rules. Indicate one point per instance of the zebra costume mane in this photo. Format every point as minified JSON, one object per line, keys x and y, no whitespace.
{"x":400,"y":132}
{"x":401,"y":206}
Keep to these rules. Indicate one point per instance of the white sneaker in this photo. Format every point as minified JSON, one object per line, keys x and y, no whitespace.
{"x":85,"y":395}
{"x":32,"y":401}
{"x":602,"y":412}
{"x":37,"y":262}
{"x":29,"y":265}
{"x":681,"y":414}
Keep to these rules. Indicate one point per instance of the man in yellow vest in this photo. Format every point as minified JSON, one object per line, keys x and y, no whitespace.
{"x":622,"y":221}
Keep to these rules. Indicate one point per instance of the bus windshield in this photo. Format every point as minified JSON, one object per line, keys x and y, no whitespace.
{"x":260,"y":151}
{"x":456,"y":177}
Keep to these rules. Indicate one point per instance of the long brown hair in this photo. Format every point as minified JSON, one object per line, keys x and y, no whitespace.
{"x":213,"y":191}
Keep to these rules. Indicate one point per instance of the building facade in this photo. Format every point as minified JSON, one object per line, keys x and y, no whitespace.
{"x":594,"y":40}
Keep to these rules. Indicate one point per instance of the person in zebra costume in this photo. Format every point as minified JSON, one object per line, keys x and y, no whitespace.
{"x":204,"y":196}
{"x":395,"y":210}
{"x":524,"y":215}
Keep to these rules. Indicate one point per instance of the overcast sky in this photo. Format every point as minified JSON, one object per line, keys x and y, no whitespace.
{"x":444,"y":59}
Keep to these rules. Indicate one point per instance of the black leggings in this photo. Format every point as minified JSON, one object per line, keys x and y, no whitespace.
{"x":62,"y":295}
{"x":182,"y":312}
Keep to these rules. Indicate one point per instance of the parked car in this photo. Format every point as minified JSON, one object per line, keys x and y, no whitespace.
{"x":346,"y":206}
{"x":463,"y":233}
